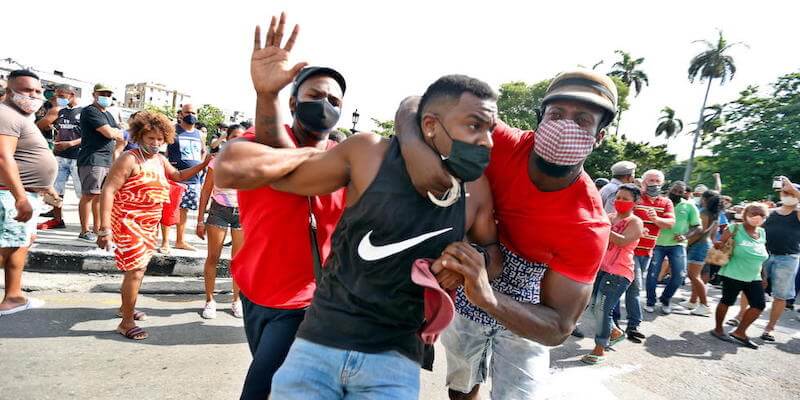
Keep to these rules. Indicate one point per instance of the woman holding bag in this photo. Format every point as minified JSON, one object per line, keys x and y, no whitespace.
{"x":131,"y":205}
{"x":742,"y":273}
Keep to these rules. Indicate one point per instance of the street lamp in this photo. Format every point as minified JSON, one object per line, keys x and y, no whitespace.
{"x":355,"y":120}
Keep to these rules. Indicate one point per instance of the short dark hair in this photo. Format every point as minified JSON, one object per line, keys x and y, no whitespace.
{"x":450,"y":88}
{"x":678,"y":183}
{"x":633,"y":189}
{"x":246,"y":124}
{"x":233,"y":127}
{"x":22,"y":72}
{"x":713,"y":202}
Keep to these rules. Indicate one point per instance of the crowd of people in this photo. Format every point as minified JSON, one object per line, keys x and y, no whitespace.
{"x":351,"y":259}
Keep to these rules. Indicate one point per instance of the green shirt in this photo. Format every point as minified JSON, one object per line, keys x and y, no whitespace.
{"x":748,"y":255}
{"x":686,"y":216}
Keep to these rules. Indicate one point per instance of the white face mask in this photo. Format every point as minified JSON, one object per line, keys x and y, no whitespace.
{"x":790,"y":201}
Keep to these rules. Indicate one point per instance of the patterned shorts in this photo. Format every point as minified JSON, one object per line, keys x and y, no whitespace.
{"x":521,"y":280}
{"x":190,"y":196}
{"x":12,"y":232}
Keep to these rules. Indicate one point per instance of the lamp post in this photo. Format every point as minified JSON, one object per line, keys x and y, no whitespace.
{"x":356,"y":115}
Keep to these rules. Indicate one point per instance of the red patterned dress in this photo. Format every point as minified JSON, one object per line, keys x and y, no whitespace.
{"x":137,"y":212}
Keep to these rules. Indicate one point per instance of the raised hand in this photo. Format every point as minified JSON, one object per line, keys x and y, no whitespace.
{"x":269,"y":66}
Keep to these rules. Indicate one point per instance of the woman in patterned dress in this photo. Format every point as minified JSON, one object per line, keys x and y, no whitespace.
{"x":131,"y":202}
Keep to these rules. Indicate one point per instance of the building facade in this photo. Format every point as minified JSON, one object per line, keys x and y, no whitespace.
{"x":139,"y":95}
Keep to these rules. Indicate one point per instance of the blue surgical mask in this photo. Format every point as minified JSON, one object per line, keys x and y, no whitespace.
{"x":62,"y":102}
{"x":104,"y":101}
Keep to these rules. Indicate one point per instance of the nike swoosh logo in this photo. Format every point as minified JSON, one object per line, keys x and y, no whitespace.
{"x":369,"y":252}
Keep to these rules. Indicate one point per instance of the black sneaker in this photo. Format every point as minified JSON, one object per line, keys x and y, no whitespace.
{"x":634,"y":335}
{"x":577,"y":333}
{"x":48,"y":214}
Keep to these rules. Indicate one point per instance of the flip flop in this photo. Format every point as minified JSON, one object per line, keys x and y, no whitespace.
{"x":767,"y":337}
{"x":746,"y":342}
{"x":732,"y":322}
{"x":612,"y":342}
{"x":135,"y":333}
{"x":29,"y":305}
{"x":724,"y":337}
{"x":137,"y":315}
{"x":592,"y":359}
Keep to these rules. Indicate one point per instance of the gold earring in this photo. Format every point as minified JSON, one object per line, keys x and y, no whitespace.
{"x":430,"y":134}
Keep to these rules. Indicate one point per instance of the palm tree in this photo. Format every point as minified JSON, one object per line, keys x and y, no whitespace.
{"x":627,"y":70}
{"x":668,"y":124}
{"x":712,"y":63}
{"x":712,"y":120}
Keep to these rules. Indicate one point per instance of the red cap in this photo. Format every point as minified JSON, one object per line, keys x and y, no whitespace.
{"x":439,"y":307}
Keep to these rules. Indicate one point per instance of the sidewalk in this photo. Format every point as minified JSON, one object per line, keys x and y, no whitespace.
{"x":60,"y":250}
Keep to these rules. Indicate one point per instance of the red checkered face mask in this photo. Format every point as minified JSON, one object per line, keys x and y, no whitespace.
{"x":563,"y":142}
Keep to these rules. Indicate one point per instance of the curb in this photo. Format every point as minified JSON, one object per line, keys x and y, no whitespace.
{"x":76,"y":259}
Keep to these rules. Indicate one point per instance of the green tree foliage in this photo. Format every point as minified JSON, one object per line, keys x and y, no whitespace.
{"x":760,"y":139}
{"x":384,"y":128}
{"x":668,"y":125}
{"x":713,"y":62}
{"x":627,"y":69}
{"x":616,"y":148}
{"x":518,"y":103}
{"x":166,"y":110}
{"x":210,"y":116}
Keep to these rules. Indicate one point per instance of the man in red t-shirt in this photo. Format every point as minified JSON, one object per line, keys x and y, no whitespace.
{"x":553,"y":233}
{"x":274,"y":267}
{"x":656,"y":212}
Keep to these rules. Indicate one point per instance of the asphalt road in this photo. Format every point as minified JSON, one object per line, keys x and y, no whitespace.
{"x":69,"y":350}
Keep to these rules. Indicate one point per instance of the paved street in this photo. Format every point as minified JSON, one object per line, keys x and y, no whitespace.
{"x":69,"y":350}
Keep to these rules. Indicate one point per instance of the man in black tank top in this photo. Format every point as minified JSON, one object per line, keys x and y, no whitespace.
{"x":366,"y":312}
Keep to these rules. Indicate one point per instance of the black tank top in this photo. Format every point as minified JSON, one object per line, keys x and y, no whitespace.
{"x":783,"y":234}
{"x":365,"y":300}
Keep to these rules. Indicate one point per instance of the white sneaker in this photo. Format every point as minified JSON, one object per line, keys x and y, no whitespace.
{"x":702,"y":310}
{"x":210,"y":310}
{"x":666,"y":309}
{"x":688,"y":305}
{"x":236,"y":308}
{"x":649,"y":309}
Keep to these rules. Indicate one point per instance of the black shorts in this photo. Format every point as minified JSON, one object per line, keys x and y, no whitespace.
{"x":753,"y":291}
{"x":222,"y":216}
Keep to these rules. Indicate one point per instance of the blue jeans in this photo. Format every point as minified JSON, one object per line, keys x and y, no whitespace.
{"x":677,"y":267}
{"x":67,"y":167}
{"x":781,"y":272}
{"x":632,"y":305}
{"x":608,"y":289}
{"x":314,"y":371}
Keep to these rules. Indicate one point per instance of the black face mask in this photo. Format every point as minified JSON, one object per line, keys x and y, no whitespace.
{"x":675,"y":198}
{"x":190,"y":119}
{"x":467,"y":161}
{"x":318,"y":116}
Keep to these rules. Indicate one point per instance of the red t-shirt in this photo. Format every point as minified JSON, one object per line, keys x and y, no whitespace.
{"x":663,"y":207}
{"x":566,"y":229}
{"x":274,"y":268}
